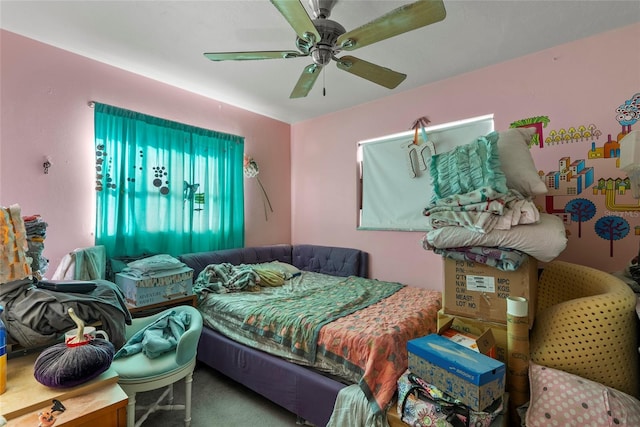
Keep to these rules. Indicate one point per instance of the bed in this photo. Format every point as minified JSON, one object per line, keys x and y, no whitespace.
{"x":354,"y":344}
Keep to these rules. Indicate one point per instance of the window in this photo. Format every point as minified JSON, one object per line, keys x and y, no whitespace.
{"x":394,"y":177}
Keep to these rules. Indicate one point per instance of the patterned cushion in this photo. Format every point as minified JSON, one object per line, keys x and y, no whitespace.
{"x":562,"y":399}
{"x":467,"y":168}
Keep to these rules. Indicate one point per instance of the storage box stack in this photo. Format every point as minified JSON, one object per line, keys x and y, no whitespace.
{"x":476,"y":294}
{"x":155,"y":279}
{"x":483,"y":220}
{"x":452,"y":375}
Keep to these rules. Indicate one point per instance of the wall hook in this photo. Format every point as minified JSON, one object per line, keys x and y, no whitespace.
{"x":46,"y":165}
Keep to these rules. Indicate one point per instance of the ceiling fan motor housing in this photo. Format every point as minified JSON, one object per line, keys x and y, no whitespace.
{"x":323,"y":51}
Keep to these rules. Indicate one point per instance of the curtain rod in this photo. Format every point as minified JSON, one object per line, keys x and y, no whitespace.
{"x":91,"y":104}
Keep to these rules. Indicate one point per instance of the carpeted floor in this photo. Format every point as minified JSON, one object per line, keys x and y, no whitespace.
{"x":217,"y":401}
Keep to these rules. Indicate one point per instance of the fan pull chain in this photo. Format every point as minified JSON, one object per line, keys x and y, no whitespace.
{"x":324,"y":87}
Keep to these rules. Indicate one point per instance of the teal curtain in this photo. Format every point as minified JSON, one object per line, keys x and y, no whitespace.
{"x":165,"y":187}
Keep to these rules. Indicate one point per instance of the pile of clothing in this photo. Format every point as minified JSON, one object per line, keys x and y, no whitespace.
{"x":36,"y":230}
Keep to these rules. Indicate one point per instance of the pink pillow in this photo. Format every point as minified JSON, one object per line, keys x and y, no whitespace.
{"x":562,"y":399}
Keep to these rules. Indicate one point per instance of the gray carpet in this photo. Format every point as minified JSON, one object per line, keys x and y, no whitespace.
{"x":217,"y":401}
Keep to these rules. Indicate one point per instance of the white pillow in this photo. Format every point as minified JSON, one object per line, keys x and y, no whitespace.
{"x":517,"y":164}
{"x":544,"y":240}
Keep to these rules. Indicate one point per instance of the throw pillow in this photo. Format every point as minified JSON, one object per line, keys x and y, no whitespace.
{"x":562,"y":399}
{"x":467,"y":168}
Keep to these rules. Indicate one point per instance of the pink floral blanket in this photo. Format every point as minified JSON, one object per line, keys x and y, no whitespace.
{"x":375,"y":339}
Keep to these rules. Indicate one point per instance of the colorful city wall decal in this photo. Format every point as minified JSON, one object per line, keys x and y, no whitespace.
{"x":580,"y":179}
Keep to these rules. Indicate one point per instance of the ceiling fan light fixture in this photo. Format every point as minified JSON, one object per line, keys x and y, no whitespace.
{"x":322,"y":55}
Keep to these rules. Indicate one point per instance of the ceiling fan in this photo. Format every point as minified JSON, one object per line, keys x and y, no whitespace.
{"x":323,"y":39}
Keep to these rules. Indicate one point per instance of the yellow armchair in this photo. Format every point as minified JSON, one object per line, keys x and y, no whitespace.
{"x":586,"y":324}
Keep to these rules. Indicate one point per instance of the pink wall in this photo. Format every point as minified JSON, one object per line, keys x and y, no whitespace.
{"x":309,"y":168}
{"x":575,"y":84}
{"x":44,"y":98}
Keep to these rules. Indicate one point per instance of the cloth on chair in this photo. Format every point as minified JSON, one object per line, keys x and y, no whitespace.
{"x":158,"y":337}
{"x":82,"y":264}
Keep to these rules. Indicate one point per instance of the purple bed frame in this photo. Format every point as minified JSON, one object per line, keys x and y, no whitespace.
{"x":306,"y":392}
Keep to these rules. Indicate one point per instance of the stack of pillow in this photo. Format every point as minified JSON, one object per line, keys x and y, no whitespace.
{"x":492,"y":177}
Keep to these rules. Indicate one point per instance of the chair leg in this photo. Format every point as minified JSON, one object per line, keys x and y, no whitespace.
{"x":188,"y":381}
{"x":131,"y":410}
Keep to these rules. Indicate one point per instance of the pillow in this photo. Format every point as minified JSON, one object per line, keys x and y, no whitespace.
{"x":561,"y":399}
{"x":516,"y":162}
{"x":467,"y":168}
{"x":274,"y":273}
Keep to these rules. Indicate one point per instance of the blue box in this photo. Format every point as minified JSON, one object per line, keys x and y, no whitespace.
{"x":473,"y":378}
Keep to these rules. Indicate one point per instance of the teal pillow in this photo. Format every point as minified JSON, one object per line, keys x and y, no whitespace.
{"x":467,"y":168}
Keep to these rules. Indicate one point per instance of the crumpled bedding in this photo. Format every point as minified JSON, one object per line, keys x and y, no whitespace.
{"x":226,"y":277}
{"x":158,"y":337}
{"x":37,"y":317}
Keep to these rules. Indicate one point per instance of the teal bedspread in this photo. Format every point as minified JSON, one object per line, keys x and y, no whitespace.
{"x":295,"y":321}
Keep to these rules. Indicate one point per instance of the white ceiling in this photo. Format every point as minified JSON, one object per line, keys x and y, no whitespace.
{"x":165,"y":41}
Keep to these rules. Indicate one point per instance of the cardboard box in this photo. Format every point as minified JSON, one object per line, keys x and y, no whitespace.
{"x":471,"y":377}
{"x":478,"y":291}
{"x":160,"y":287}
{"x":480,"y":341}
{"x":477,"y":327}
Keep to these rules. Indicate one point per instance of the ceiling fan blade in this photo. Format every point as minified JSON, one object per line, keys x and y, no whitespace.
{"x":398,"y":21}
{"x":297,"y":16}
{"x":245,"y":56}
{"x":306,"y":81}
{"x":372,"y":72}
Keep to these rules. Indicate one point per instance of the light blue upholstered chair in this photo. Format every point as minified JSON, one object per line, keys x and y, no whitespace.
{"x":138,"y":373}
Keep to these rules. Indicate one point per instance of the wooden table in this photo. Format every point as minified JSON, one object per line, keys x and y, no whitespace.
{"x":147,"y":310}
{"x":97,"y":403}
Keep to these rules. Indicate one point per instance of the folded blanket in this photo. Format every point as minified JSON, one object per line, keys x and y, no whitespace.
{"x":482,"y":211}
{"x":158,"y":337}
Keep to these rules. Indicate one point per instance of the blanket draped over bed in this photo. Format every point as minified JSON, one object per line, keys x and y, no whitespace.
{"x":361,"y":325}
{"x":296,"y":321}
